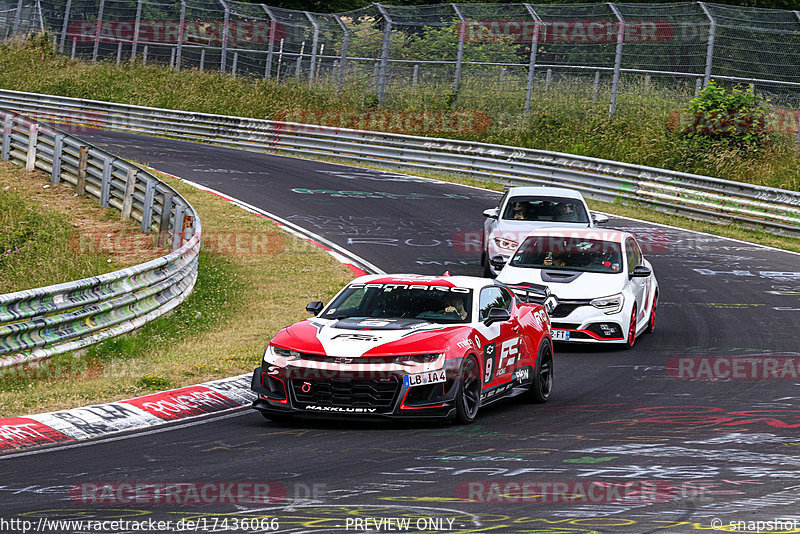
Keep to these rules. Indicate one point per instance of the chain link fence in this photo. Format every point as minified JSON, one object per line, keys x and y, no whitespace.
{"x":499,"y":58}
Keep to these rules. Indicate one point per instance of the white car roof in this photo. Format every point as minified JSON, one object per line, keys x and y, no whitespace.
{"x":471,"y":282}
{"x":544,"y":192}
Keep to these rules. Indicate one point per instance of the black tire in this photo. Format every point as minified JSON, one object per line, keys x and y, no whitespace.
{"x":487,"y":270}
{"x":468,"y":396}
{"x":542,"y":385}
{"x":651,"y":323}
{"x":631,"y":341}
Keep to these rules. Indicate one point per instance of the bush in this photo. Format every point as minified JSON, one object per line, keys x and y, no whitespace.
{"x":737,"y":118}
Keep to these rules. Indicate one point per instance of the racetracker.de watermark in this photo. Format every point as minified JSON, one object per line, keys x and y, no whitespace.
{"x":121,"y":243}
{"x":170,"y":31}
{"x":571,"y":492}
{"x":733,"y":368}
{"x":191,"y":493}
{"x":594,"y":31}
{"x":405,"y":122}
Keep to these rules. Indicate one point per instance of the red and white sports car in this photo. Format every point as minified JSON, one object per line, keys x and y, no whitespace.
{"x":408,"y":346}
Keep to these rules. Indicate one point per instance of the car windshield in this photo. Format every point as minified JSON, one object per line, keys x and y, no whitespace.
{"x":574,"y":254}
{"x":435,"y":304}
{"x":549,"y":209}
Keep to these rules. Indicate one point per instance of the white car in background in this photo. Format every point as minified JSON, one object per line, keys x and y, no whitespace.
{"x":525,"y":209}
{"x":605,"y":288}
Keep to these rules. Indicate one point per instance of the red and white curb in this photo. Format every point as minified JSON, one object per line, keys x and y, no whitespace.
{"x":131,"y":414}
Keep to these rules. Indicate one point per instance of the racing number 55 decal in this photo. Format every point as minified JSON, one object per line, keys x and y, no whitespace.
{"x":489,"y":351}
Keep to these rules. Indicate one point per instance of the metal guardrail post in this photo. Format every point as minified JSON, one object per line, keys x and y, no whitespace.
{"x":181,"y":34}
{"x":314,"y":44}
{"x":33,"y":137}
{"x":235,"y":63}
{"x":147,"y":207}
{"x":8,"y":124}
{"x":98,"y":31}
{"x":83,"y":159}
{"x":105,"y":182}
{"x":223,"y":62}
{"x":387,"y":35}
{"x":202,"y":59}
{"x":136,"y":27}
{"x":177,"y":227}
{"x":58,"y":149}
{"x":712,"y":31}
{"x":17,"y":18}
{"x":127,"y":197}
{"x":343,"y":54}
{"x":163,"y":224}
{"x":462,"y":32}
{"x":64,"y":27}
{"x":273,"y":27}
{"x":119,"y":52}
{"x":532,"y":61}
{"x":617,"y":58}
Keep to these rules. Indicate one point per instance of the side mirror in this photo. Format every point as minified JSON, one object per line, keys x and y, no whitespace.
{"x":640,"y":271}
{"x":314,"y":307}
{"x":492,"y":213}
{"x":599,"y":218}
{"x":498,"y":262}
{"x":497,"y":315}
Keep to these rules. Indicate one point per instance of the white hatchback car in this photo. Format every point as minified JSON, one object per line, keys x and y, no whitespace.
{"x":525,"y":209}
{"x":606,"y":289}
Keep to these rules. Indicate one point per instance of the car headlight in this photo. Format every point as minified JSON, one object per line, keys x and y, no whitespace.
{"x":279,"y":356}
{"x":421,"y":359}
{"x":609,"y":305}
{"x":507,"y":244}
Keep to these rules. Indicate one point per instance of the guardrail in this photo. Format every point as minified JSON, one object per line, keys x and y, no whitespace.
{"x":38,"y":323}
{"x":690,"y":195}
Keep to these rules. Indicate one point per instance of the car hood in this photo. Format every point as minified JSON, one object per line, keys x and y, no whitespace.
{"x":362,"y":337}
{"x":564,"y":284}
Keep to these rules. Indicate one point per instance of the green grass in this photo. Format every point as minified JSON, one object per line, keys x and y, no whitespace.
{"x":563,"y":117}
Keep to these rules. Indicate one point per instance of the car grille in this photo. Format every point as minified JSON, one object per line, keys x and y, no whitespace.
{"x":565,"y":308}
{"x":379,"y":394}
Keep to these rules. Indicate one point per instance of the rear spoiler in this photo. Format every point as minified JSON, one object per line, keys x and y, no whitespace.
{"x":535,"y":294}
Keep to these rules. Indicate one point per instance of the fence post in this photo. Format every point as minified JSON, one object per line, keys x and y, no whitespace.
{"x":98,"y":31}
{"x":144,"y":55}
{"x":17,"y":18}
{"x":596,"y":86}
{"x":163,"y":224}
{"x":532,"y":61}
{"x":415,"y":75}
{"x":280,"y":59}
{"x":797,"y":133}
{"x":177,"y":227}
{"x":83,"y":159}
{"x":119,"y":52}
{"x":462,"y":27}
{"x":147,"y":207}
{"x":235,"y":63}
{"x":617,"y":58}
{"x":72,"y":53}
{"x":343,"y":54}
{"x":387,"y":35}
{"x":58,"y":148}
{"x":697,"y":86}
{"x":33,"y":137}
{"x":548,"y":77}
{"x":712,"y":31}
{"x":202,"y":58}
{"x":223,"y":63}
{"x":64,"y":26}
{"x":502,"y":80}
{"x":41,"y":16}
{"x":7,"y":126}
{"x":127,"y":198}
{"x":181,"y":34}
{"x":136,"y":26}
{"x":105,"y":182}
{"x":273,"y":27}
{"x":314,"y":41}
